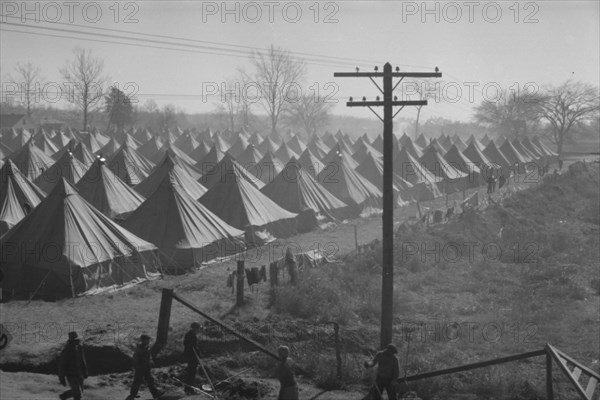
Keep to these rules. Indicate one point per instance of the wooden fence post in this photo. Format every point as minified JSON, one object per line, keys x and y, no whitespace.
{"x":549,"y":390}
{"x":240,"y":283}
{"x":338,"y":353}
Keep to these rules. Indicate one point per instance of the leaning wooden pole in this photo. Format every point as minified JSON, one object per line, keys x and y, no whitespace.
{"x":480,"y":364}
{"x":227,"y":327}
{"x":206,"y":374}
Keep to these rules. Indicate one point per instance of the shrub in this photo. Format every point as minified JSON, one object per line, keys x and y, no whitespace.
{"x":314,"y":297}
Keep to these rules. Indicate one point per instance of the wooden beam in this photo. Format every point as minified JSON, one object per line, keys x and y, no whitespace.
{"x":356,"y":103}
{"x":575,"y":362}
{"x":563,"y":366}
{"x":393,"y":74}
{"x":225,"y":326}
{"x":591,"y":386}
{"x":476,"y":365}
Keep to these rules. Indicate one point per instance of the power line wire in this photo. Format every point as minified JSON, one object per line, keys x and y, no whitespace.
{"x":352,"y":60}
{"x":249,"y":49}
{"x":193,"y":48}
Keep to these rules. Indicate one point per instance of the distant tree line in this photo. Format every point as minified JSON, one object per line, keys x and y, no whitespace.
{"x":276,"y":87}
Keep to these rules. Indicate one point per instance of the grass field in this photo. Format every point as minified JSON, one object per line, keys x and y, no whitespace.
{"x":460,"y":308}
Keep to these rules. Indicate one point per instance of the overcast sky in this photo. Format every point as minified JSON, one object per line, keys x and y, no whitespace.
{"x":476,"y":45}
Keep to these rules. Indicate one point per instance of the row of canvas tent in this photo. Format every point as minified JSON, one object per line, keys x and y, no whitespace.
{"x":180,"y":213}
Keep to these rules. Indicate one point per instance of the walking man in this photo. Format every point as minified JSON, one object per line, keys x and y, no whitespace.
{"x":288,"y":389}
{"x":190,"y":351}
{"x":388,"y":371}
{"x":72,"y":368}
{"x":142,"y":365}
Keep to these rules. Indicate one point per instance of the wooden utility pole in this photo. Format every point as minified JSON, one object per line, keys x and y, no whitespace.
{"x":389,"y":101}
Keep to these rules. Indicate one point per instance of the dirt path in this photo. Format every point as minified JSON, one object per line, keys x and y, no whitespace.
{"x":28,"y":386}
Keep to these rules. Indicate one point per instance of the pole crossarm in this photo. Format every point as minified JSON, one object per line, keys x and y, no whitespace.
{"x":382,"y":103}
{"x":394,"y":74}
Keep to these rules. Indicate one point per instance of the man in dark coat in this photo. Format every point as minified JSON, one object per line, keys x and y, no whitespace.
{"x":288,"y":389}
{"x":190,"y":351}
{"x":142,"y":364}
{"x":388,"y":371}
{"x":72,"y":368}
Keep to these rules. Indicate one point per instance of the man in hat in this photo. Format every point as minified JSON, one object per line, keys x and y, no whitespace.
{"x":72,"y":368}
{"x":288,"y":389}
{"x":142,"y":365}
{"x":190,"y":351}
{"x":388,"y":371}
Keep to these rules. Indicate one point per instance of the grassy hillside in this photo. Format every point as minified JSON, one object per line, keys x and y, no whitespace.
{"x":489,"y":284}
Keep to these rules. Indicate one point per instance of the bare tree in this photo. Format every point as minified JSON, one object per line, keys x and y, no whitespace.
{"x":277,"y":73}
{"x":235,"y":102}
{"x":566,"y":105}
{"x":150,"y":106}
{"x":169,"y":116}
{"x":181,"y":117}
{"x":30,"y":84}
{"x":85,"y":79}
{"x":309,"y":112}
{"x":421,"y":90}
{"x":229,"y":103}
{"x":512,"y":112}
{"x":247,"y":96}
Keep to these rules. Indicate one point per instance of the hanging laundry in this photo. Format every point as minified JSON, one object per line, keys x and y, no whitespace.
{"x":274,"y":273}
{"x":263,"y":273}
{"x":249,"y":277}
{"x":253,"y":276}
